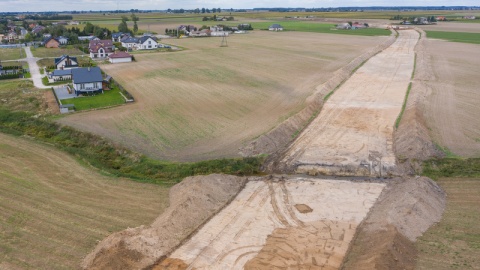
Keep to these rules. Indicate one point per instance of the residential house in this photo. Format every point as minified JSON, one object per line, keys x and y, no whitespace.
{"x":120,"y":57}
{"x":147,"y":43}
{"x":187,"y":29}
{"x":357,"y":25}
{"x":130,"y":42}
{"x":343,"y":26}
{"x":12,"y":37}
{"x":441,"y":18}
{"x":100,"y":48}
{"x":469,"y":17}
{"x":87,"y":80}
{"x":89,"y":38}
{"x":37,"y":29}
{"x":62,"y":40}
{"x":51,"y":43}
{"x":201,"y":33}
{"x":60,"y":75}
{"x":117,"y":37}
{"x":66,"y":62}
{"x":73,"y":23}
{"x":275,"y":27}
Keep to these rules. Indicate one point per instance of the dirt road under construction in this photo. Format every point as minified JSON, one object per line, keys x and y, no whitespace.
{"x":353,"y":134}
{"x":301,"y":222}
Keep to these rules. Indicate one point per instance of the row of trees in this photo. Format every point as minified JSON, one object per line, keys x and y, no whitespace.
{"x":196,"y":11}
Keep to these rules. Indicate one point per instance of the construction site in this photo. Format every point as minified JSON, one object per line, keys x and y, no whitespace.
{"x":337,"y":196}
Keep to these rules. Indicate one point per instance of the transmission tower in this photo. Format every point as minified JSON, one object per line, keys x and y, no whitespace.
{"x":224,"y":41}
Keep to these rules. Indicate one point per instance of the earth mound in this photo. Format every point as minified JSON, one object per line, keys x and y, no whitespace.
{"x":192,"y":203}
{"x":404,"y":211}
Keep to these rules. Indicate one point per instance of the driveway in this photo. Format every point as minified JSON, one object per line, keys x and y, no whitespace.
{"x":34,"y":70}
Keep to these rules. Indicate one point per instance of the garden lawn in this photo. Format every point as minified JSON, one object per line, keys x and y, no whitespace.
{"x":107,"y":99}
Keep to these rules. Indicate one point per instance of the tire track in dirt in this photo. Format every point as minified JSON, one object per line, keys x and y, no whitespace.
{"x":263,"y":220}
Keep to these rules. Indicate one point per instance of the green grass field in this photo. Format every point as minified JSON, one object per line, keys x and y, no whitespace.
{"x":107,"y":99}
{"x":12,"y":54}
{"x":303,"y":26}
{"x":455,"y":36}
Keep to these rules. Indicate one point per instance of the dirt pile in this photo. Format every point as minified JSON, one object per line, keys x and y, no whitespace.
{"x":192,"y":202}
{"x":405,"y":209}
{"x":412,"y":140}
{"x":278,"y":139}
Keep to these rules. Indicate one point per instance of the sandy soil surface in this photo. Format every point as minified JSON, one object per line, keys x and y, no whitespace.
{"x":34,"y":70}
{"x":353,"y":135}
{"x":192,"y":202}
{"x":404,"y":211}
{"x":206,"y":102}
{"x":452,"y":110}
{"x":264,"y":226}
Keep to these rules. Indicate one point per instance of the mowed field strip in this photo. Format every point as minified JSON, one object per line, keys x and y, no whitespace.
{"x":207,"y":101}
{"x":296,"y":222}
{"x":353,"y":134}
{"x":53,"y":211}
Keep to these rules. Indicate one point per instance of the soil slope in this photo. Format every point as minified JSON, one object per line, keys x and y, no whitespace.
{"x":192,"y":202}
{"x":353,"y":135}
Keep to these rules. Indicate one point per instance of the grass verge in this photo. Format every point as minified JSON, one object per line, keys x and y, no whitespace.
{"x":399,"y":118}
{"x":114,"y":159}
{"x":452,"y":167}
{"x":473,"y":38}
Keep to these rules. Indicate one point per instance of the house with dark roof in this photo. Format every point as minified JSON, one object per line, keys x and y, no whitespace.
{"x":37,"y":29}
{"x":100,"y":48}
{"x":147,"y":43}
{"x":51,"y":42}
{"x":120,"y":57}
{"x":87,"y":80}
{"x":117,"y":37}
{"x":60,"y":75}
{"x":130,"y":42}
{"x":66,"y":62}
{"x":275,"y":27}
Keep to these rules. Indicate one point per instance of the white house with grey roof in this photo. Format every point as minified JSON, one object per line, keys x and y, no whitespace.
{"x":147,"y":43}
{"x":87,"y":80}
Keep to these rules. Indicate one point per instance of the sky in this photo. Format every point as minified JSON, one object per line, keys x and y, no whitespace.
{"x":60,"y":5}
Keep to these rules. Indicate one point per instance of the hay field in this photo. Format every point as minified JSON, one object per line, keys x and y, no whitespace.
{"x":207,"y":101}
{"x":452,"y":111}
{"x":53,"y":211}
{"x":454,"y":243}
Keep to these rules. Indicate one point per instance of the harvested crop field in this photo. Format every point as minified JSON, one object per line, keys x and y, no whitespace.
{"x":454,"y":243}
{"x":53,"y":210}
{"x":452,"y":110}
{"x":353,"y":134}
{"x":207,"y":101}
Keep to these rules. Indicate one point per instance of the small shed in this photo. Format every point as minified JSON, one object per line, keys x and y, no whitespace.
{"x":120,"y":57}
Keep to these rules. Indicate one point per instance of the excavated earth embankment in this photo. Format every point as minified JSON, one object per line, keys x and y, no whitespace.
{"x":294,"y":222}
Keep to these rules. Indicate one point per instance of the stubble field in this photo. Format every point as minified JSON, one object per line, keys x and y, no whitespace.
{"x":452,"y":110}
{"x":53,"y":210}
{"x":207,"y":101}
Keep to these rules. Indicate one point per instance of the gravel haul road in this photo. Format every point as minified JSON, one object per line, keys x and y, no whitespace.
{"x":353,"y":134}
